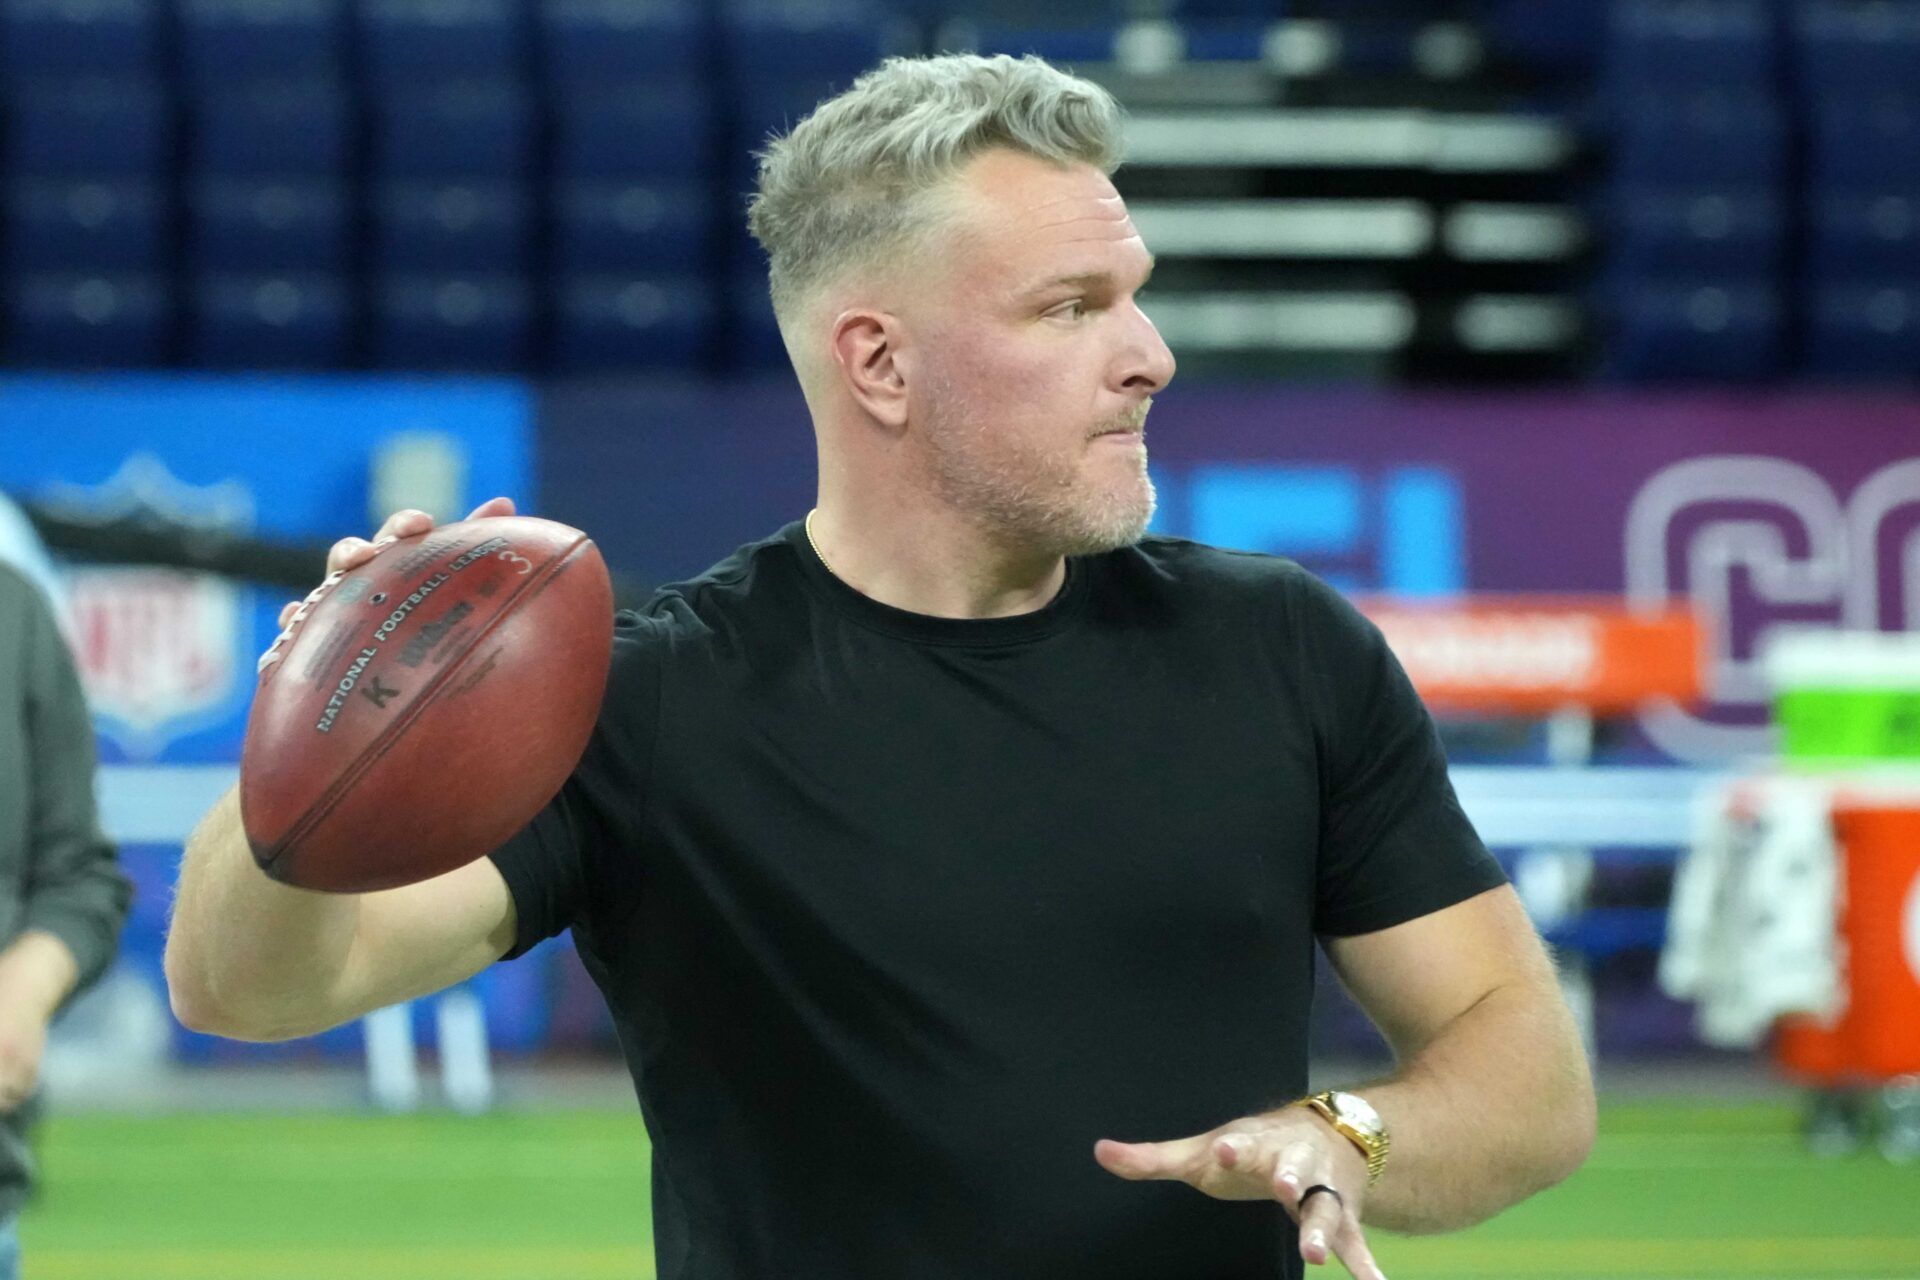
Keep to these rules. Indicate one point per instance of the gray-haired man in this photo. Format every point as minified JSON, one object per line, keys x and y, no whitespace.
{"x":931,"y":843}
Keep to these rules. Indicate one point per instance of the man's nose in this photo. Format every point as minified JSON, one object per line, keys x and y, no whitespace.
{"x":1150,"y":364}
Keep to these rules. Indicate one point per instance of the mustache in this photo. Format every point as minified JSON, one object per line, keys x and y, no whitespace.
{"x":1134,"y":419}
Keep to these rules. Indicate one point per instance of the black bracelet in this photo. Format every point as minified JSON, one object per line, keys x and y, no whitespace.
{"x":1315,"y":1190}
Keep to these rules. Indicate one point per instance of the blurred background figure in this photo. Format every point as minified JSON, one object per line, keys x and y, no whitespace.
{"x":1581,"y":338}
{"x":62,"y":899}
{"x":23,"y":551}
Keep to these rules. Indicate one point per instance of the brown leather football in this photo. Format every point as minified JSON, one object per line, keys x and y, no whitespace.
{"x":420,"y":709}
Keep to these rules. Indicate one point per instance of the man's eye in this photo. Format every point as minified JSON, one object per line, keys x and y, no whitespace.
{"x":1072,"y":310}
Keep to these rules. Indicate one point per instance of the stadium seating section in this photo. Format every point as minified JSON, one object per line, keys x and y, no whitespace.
{"x":1764,"y":189}
{"x":560,"y":185}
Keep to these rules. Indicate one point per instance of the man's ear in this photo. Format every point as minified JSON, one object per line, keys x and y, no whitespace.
{"x":868,"y":353}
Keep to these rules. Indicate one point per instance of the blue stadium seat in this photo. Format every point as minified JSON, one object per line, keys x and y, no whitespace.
{"x":1865,"y":331}
{"x":1384,"y":45}
{"x":270,"y":322}
{"x":767,"y":106}
{"x":835,"y":38}
{"x":1684,"y":44}
{"x":425,"y":228}
{"x":1865,"y":142}
{"x":40,"y":38}
{"x":89,"y":129}
{"x":1217,"y":40}
{"x":1708,"y":232}
{"x":753,"y":332}
{"x":633,"y":228}
{"x":1017,"y":13}
{"x":269,"y":129}
{"x":456,"y":129}
{"x":58,"y":225}
{"x":253,"y":226}
{"x":1711,"y":138}
{"x":223,"y":41}
{"x":1852,"y":48}
{"x":1232,"y":11}
{"x":633,"y":322}
{"x":88,"y":321}
{"x":1670,"y":330}
{"x":416,"y":41}
{"x":1373,"y":10}
{"x":1071,"y":32}
{"x":605,"y":40}
{"x":637,"y":129}
{"x":471,"y":323}
{"x":1865,"y":235}
{"x":1066,"y":46}
{"x":1561,"y":38}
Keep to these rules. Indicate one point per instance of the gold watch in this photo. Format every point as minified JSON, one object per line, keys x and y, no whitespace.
{"x":1354,"y":1118}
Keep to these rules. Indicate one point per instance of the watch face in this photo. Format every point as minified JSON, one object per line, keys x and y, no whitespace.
{"x":1358,"y":1112}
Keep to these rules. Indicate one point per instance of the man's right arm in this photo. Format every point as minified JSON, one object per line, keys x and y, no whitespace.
{"x":253,"y":959}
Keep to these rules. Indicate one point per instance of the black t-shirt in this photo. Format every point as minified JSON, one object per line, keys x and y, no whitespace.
{"x":897,"y":914}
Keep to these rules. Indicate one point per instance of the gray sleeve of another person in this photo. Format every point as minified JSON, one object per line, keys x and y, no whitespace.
{"x":58,"y":872}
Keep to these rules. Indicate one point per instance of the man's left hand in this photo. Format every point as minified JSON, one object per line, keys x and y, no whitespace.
{"x":1276,"y":1156}
{"x":23,"y":1041}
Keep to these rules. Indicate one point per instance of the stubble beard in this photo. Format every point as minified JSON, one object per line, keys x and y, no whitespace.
{"x":1036,"y":499}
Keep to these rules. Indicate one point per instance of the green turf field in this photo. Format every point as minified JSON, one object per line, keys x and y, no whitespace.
{"x":1673,"y":1190}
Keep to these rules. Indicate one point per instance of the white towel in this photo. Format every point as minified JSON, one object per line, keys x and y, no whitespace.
{"x":1751,"y":931}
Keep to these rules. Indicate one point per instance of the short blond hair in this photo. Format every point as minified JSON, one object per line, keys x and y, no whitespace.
{"x":860,"y":178}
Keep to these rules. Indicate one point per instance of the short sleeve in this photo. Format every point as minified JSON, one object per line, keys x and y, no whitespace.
{"x":1394,"y":842}
{"x":549,"y":865}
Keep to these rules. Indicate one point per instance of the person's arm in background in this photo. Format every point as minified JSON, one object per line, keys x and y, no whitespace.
{"x":21,"y":547}
{"x":73,"y":897}
{"x":252,"y":959}
{"x":37,"y":973}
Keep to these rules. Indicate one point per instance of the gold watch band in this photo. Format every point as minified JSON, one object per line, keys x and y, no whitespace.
{"x":1373,"y":1145}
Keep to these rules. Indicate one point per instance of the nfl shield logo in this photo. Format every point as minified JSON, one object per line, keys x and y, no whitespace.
{"x":159,"y":650}
{"x":156,"y":649}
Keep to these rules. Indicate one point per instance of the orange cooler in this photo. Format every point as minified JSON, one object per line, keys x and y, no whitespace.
{"x":1877,"y":1035}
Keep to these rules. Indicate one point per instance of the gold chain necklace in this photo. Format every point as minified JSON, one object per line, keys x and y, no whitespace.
{"x":807,"y":524}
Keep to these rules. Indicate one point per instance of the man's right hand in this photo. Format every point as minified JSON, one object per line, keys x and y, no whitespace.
{"x":258,"y":960}
{"x":351,"y":553}
{"x":253,"y":959}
